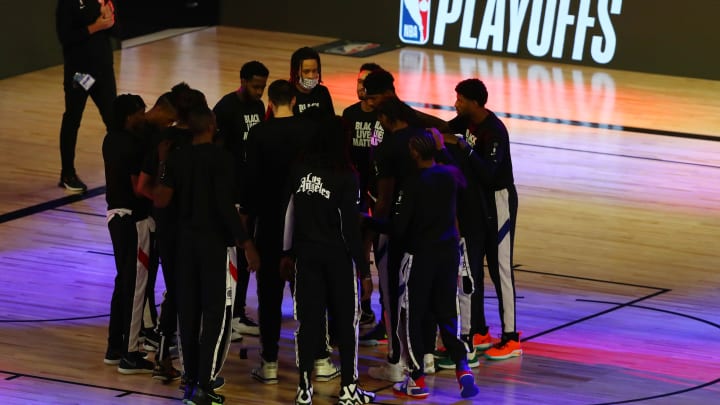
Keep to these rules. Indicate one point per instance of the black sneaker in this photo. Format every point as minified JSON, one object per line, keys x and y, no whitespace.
{"x":72,"y":183}
{"x":375,"y":337}
{"x":218,"y":383}
{"x":112,"y":357}
{"x":134,"y":363}
{"x":202,"y":396}
{"x":151,"y":339}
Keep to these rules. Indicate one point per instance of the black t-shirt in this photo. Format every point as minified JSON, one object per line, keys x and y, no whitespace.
{"x":392,"y":157}
{"x":325,"y":204}
{"x":272,"y":147}
{"x":123,"y":154}
{"x":490,"y":161}
{"x":201,"y":177}
{"x":425,"y":209}
{"x":471,"y":204}
{"x":234,"y":118}
{"x":318,"y":97}
{"x":365,"y":133}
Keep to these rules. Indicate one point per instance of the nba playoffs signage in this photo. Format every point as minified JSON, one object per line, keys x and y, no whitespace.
{"x":581,"y":31}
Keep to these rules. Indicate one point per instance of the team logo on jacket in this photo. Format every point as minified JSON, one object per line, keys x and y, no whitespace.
{"x":313,"y":185}
{"x":414,"y":21}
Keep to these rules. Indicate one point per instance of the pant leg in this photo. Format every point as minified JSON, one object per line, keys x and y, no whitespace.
{"x":499,"y":255}
{"x":168,"y":320}
{"x":75,"y":100}
{"x":474,"y":247}
{"x":343,"y":306}
{"x":270,"y":295}
{"x":231,"y":272}
{"x":443,"y":300}
{"x":137,"y":283}
{"x":415,"y":308}
{"x":212,"y":262}
{"x":388,"y":269}
{"x":310,"y":304}
{"x":188,"y":304}
{"x":124,"y":241}
{"x":150,"y":314}
{"x":103,"y":94}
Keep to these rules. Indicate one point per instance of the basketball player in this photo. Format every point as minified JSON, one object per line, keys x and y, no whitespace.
{"x":306,"y":78}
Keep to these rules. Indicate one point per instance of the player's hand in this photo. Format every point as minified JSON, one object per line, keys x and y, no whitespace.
{"x":287,"y":268}
{"x":251,"y":255}
{"x":367,"y":288}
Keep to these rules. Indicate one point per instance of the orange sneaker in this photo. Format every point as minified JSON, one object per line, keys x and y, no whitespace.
{"x":482,"y":342}
{"x":504,"y":349}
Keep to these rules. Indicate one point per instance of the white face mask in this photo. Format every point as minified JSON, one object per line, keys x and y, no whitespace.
{"x":309,"y":84}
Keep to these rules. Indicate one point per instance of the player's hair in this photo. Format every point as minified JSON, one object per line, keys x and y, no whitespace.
{"x":424,"y":144}
{"x":124,"y":106}
{"x":297,"y":59}
{"x":200,"y":120}
{"x":370,"y":66}
{"x":280,"y":92}
{"x":396,"y":110}
{"x":186,"y":99}
{"x":473,"y":89}
{"x":253,"y":68}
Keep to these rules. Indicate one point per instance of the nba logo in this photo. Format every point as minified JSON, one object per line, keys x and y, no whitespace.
{"x":414,"y":21}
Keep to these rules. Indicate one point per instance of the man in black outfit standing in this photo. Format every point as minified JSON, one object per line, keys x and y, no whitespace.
{"x":200,"y":177}
{"x":84,"y":28}
{"x":129,"y":225}
{"x":236,"y":113}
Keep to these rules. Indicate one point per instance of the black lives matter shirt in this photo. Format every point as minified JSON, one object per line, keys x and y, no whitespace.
{"x":318,"y":97}
{"x":324,"y":214}
{"x":234,"y":118}
{"x":201,"y":177}
{"x":123,"y":155}
{"x":365,"y":133}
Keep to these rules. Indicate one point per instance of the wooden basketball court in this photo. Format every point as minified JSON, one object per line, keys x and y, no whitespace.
{"x":616,"y":250}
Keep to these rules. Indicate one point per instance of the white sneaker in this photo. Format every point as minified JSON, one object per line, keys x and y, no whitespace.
{"x":325,"y":370}
{"x":429,"y":361}
{"x":354,"y":395}
{"x":245,"y":326}
{"x":304,"y":397}
{"x":267,"y":372}
{"x":388,"y":372}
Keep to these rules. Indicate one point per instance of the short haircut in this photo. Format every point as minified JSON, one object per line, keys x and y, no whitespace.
{"x":253,"y":68}
{"x":124,"y":106}
{"x":378,"y":82}
{"x":370,"y":66}
{"x":424,"y":144}
{"x":165,"y":102}
{"x":200,"y":120}
{"x":280,"y":92}
{"x":296,"y":60}
{"x":186,"y":99}
{"x":473,"y":89}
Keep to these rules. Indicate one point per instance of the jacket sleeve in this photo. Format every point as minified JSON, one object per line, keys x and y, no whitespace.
{"x":484,"y":164}
{"x":224,"y":186}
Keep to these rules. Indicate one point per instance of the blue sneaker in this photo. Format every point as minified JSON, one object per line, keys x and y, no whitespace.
{"x":412,"y":388}
{"x":466,"y":380}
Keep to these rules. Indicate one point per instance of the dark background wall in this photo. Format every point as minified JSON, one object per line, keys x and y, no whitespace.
{"x":655,"y":36}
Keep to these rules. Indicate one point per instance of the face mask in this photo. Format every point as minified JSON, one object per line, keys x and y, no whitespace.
{"x":309,"y":84}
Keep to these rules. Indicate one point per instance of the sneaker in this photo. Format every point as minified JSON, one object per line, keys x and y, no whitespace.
{"x":218,"y":383}
{"x":135,"y":363}
{"x":375,"y":337}
{"x":266,"y":373}
{"x":387,"y":372}
{"x":367,"y":320}
{"x":165,"y":372}
{"x":466,"y":380}
{"x":245,"y":326}
{"x":411,"y":388}
{"x":112,"y":357}
{"x":325,"y":370}
{"x":72,"y":183}
{"x":429,"y":363}
{"x":354,"y":395}
{"x":304,"y":396}
{"x":446,"y":363}
{"x":151,"y":341}
{"x":202,"y":396}
{"x":504,"y":349}
{"x":482,"y":342}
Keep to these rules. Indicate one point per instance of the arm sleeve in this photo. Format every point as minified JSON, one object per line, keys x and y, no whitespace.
{"x":404,"y":211}
{"x":224,"y":186}
{"x":485,"y":166}
{"x":351,"y":224}
{"x":289,"y":227}
{"x":248,"y":193}
{"x":67,"y":17}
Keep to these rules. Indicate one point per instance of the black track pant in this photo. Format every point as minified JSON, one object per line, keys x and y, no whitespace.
{"x":430,"y":294}
{"x":326,"y":282}
{"x":387,"y":259}
{"x":167,"y":248}
{"x":204,"y":302}
{"x":103,"y":93}
{"x":130,"y":240}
